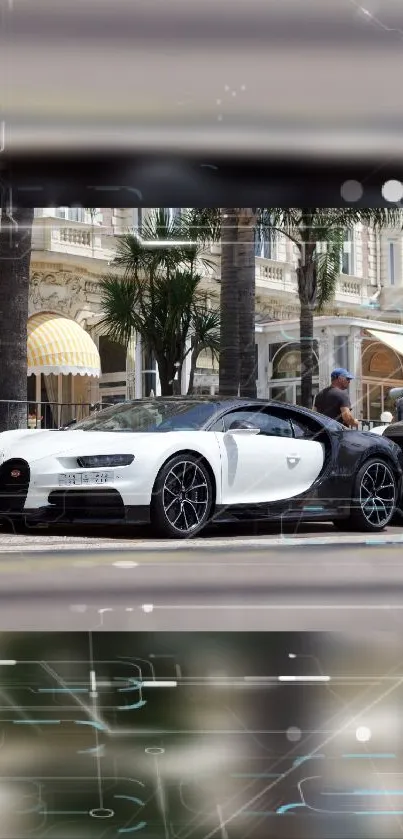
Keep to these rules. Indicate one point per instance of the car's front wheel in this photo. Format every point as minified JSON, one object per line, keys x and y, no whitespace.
{"x":182,"y":497}
{"x":375,"y":496}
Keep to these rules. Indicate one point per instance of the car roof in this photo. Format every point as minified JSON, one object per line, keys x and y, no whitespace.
{"x":222,"y":401}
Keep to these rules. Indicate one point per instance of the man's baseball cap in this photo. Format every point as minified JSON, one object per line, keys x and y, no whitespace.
{"x":341,"y":372}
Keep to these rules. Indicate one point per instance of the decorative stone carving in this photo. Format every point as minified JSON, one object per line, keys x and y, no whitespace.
{"x":59,"y":291}
{"x":56,"y":289}
{"x":91,"y":287}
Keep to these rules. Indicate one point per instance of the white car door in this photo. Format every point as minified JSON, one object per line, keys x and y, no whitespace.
{"x":269,"y":466}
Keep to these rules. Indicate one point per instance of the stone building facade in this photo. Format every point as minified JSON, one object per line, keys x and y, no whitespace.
{"x":73,"y":250}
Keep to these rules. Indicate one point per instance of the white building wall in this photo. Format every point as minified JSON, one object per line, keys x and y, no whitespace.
{"x":358,"y":251}
{"x":281,"y":248}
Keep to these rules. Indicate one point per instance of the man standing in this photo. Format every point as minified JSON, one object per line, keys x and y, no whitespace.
{"x":334,"y":401}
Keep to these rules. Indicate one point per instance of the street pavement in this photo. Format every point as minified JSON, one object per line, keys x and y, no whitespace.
{"x":244,"y":579}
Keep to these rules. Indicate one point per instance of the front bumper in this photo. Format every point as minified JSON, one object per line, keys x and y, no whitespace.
{"x":100,"y":507}
{"x":31,"y":498}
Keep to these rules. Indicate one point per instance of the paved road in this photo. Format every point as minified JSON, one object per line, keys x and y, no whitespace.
{"x":266,"y":581}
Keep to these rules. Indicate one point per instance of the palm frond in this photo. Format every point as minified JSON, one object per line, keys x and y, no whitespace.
{"x":314,"y":223}
{"x":205,"y":330}
{"x":130,"y":255}
{"x":119,"y":300}
{"x":328,"y":264}
{"x":377,"y":217}
{"x":203,"y":225}
{"x":277,"y":219}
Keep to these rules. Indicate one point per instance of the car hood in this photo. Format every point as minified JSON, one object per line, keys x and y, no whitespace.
{"x":36,"y":444}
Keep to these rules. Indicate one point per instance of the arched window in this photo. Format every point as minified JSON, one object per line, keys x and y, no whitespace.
{"x":287,"y":361}
{"x":380,"y":362}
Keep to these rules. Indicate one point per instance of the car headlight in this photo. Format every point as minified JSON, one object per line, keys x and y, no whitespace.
{"x":103,"y":461}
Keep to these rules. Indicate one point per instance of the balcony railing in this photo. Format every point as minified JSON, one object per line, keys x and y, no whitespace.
{"x":351,"y":290}
{"x":73,"y":238}
{"x":275,"y":275}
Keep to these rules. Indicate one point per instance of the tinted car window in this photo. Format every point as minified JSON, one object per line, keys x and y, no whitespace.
{"x":301,"y":431}
{"x":218,"y":426}
{"x":151,"y":416}
{"x":268,"y":424}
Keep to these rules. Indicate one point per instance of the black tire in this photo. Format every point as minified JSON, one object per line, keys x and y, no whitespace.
{"x":12,"y":526}
{"x":180,"y":510}
{"x":343,"y":524}
{"x":375,"y":497}
{"x":397,"y":519}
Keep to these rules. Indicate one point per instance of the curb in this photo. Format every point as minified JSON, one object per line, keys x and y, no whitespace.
{"x":33,"y":545}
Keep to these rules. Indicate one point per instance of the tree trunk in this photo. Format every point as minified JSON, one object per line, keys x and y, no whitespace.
{"x":306,"y":346}
{"x":193,"y":364}
{"x":306,"y":275}
{"x":15,"y":257}
{"x":247,"y":301}
{"x":166,"y":372}
{"x":306,"y":340}
{"x":229,"y":369}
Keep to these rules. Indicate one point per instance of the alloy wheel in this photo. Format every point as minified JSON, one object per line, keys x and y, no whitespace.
{"x":185,"y":496}
{"x":377,"y":494}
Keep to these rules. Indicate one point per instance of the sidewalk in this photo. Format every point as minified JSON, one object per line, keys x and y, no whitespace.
{"x":39,"y":542}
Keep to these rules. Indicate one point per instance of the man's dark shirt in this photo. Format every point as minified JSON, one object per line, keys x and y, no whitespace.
{"x":330,"y":401}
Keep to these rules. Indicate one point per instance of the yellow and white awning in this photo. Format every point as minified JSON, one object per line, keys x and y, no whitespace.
{"x":60,"y":345}
{"x":393,"y":340}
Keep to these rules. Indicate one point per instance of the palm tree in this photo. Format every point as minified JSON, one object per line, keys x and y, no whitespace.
{"x":205,"y":335}
{"x":319,"y":236}
{"x":15,"y":256}
{"x":229,"y":369}
{"x":235,"y":227}
{"x":157,"y":293}
{"x":247,"y":218}
{"x":159,"y":309}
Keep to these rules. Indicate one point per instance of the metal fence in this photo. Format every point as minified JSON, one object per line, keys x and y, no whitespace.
{"x":367,"y":425}
{"x":51,"y":415}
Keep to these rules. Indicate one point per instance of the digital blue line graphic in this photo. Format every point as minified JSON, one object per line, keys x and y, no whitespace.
{"x":286,"y":808}
{"x":224,"y":748}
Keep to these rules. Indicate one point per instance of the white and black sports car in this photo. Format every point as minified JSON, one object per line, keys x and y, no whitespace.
{"x":180,"y":463}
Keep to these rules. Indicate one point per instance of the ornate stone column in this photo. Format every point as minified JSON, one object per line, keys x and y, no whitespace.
{"x":186,"y":370}
{"x":263,"y":366}
{"x":326,"y":357}
{"x":138,"y":381}
{"x":131,"y":367}
{"x":355,"y":365}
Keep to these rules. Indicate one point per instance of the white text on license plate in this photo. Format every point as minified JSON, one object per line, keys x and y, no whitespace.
{"x":70,"y":479}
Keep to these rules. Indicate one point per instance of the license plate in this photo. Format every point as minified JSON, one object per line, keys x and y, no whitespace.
{"x":85,"y":478}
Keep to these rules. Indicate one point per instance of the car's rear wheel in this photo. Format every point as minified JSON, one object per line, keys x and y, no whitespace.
{"x":182,"y":497}
{"x":374,"y":501}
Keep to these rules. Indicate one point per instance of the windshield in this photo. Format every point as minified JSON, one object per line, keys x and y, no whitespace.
{"x":149,"y":416}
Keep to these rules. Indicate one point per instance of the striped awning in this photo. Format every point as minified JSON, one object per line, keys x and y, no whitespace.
{"x":60,"y":345}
